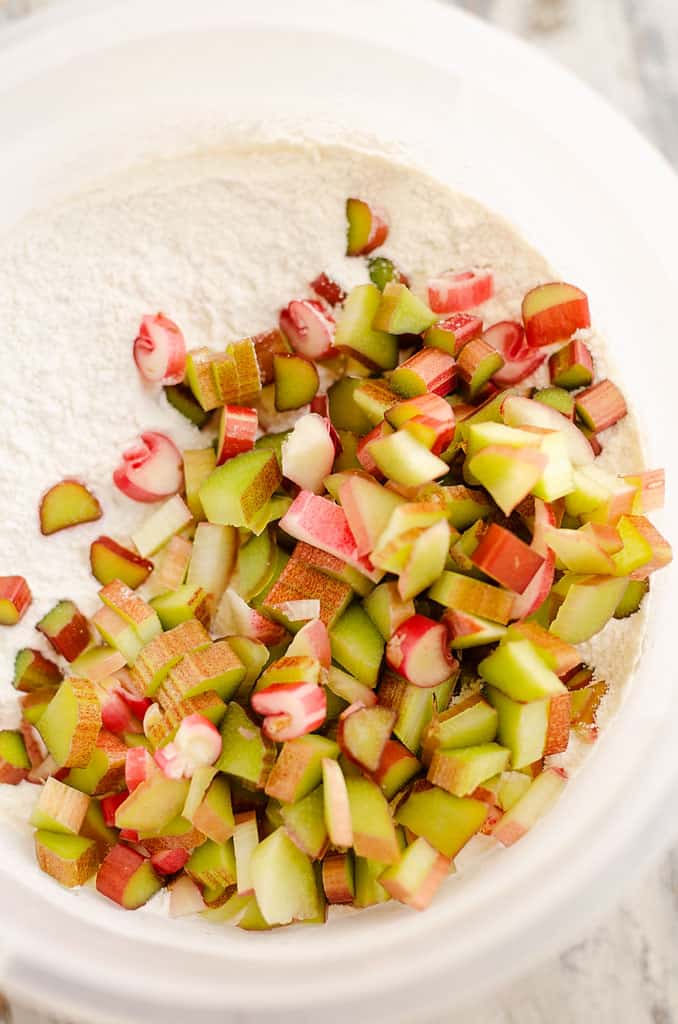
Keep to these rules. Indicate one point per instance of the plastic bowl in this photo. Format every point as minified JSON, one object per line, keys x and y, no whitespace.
{"x":88,"y":89}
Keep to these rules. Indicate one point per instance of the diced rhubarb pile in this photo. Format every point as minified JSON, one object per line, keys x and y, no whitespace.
{"x":331,"y":656}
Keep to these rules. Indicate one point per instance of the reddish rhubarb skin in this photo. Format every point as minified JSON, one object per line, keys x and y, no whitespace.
{"x":160,"y":350}
{"x":153,"y":457}
{"x":456,"y":291}
{"x":600,"y":406}
{"x":309,"y":328}
{"x":138,"y":766}
{"x":117,"y":869}
{"x":575,"y":353}
{"x":402,"y":651}
{"x":464,"y":326}
{"x":240,"y":425}
{"x":506,"y":558}
{"x":290,"y":710}
{"x":168,"y":862}
{"x":327,"y":289}
{"x":520,"y":360}
{"x":558,"y":321}
{"x":363,"y":453}
{"x":15,"y":597}
{"x":110,"y":804}
{"x":267,"y":345}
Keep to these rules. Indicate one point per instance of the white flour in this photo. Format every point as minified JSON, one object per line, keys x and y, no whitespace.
{"x":219,"y":243}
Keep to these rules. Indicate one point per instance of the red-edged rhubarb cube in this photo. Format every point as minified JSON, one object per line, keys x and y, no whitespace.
{"x":506,"y":558}
{"x":15,"y":597}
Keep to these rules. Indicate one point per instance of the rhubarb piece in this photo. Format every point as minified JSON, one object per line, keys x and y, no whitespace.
{"x":212,"y":865}
{"x":451,"y":334}
{"x":33,"y":671}
{"x":429,"y":418}
{"x":337,"y":877}
{"x":247,"y":753}
{"x":415,"y":880}
{"x":553,"y":312}
{"x":477,"y":362}
{"x":387,"y":609}
{"x":401,"y":312}
{"x":255,"y":566}
{"x":643,"y":550}
{"x":649,"y":491}
{"x":585,"y":704}
{"x":283,"y":880}
{"x":462,"y":770}
{"x":468,"y":723}
{"x":150,"y":470}
{"x":405,"y":460}
{"x":298,"y":769}
{"x":457,"y":291}
{"x":525,"y":412}
{"x":506,"y":559}
{"x":332,"y":566}
{"x":266,"y":346}
{"x":516,"y":669}
{"x":308,"y":453}
{"x":631,"y":599}
{"x":418,"y":651}
{"x":367,"y":227}
{"x":105,"y":772}
{"x":600,"y":406}
{"x":368,"y":891}
{"x":446,"y":822}
{"x":539,"y":798}
{"x":14,"y":760}
{"x":429,"y":370}
{"x":426,"y":560}
{"x":310,"y":331}
{"x":186,"y":602}
{"x":68,"y":503}
{"x":245,"y":841}
{"x":236,"y":492}
{"x":357,"y":645}
{"x":464,"y":594}
{"x":557,"y":398}
{"x":292,"y":669}
{"x":382,"y":271}
{"x":345,"y":413}
{"x":589,"y":603}
{"x":509,"y":474}
{"x":131,"y":609}
{"x":578,"y":551}
{"x":160,"y":527}
{"x":520,"y":359}
{"x":59,"y":808}
{"x":375,"y":397}
{"x":213,"y":558}
{"x":199,"y":463}
{"x":70,"y":860}
{"x":561,"y":657}
{"x":127,"y":878}
{"x":466,"y":630}
{"x":312,"y":641}
{"x":328,"y":289}
{"x":374,"y":834}
{"x":200,"y":378}
{"x":296,"y":381}
{"x":321,"y":523}
{"x":397,"y":766}
{"x":168,"y":862}
{"x":66,"y":629}
{"x":237,"y":432}
{"x":413,"y":705}
{"x":234,"y":617}
{"x":355,"y":335}
{"x":214,"y":815}
{"x":571,"y":367}
{"x":153,"y":804}
{"x":160,"y":350}
{"x":110,"y":561}
{"x":182,"y":399}
{"x":464,"y":507}
{"x":368,"y":507}
{"x":363,"y":734}
{"x":290,"y":710}
{"x":236,"y":374}
{"x":118,"y":633}
{"x":33,"y":704}
{"x":304,"y":822}
{"x":197,"y":743}
{"x":71,"y":723}
{"x":96,"y":825}
{"x":215,"y":668}
{"x":348,"y":689}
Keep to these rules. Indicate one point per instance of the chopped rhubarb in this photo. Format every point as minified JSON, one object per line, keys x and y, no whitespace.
{"x":506,"y":558}
{"x":308,"y":453}
{"x":571,"y":366}
{"x":15,"y":597}
{"x":418,"y":650}
{"x":650,"y":487}
{"x":110,"y":561}
{"x":452,"y":333}
{"x":478,"y":361}
{"x":151,"y":469}
{"x":160,"y":350}
{"x":328,"y":289}
{"x":290,"y":710}
{"x":266,"y":346}
{"x":196,"y":743}
{"x":33,"y":671}
{"x":237,"y":431}
{"x":553,"y":312}
{"x":67,"y":630}
{"x":367,"y":227}
{"x":520,"y":359}
{"x":600,"y":406}
{"x":457,"y":291}
{"x":429,"y":370}
{"x":309,"y":328}
{"x":67,"y":504}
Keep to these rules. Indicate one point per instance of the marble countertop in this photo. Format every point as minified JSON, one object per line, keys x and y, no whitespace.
{"x":624,"y":970}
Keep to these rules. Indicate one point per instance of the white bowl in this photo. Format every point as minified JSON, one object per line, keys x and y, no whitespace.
{"x":86,"y":90}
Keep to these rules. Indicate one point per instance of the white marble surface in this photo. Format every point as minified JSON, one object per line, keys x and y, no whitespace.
{"x":625,"y":970}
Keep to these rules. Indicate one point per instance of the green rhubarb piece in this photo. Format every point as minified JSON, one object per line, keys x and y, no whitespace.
{"x":200,"y":378}
{"x":294,"y":668}
{"x":246,"y":752}
{"x":401,"y":312}
{"x":357,"y":644}
{"x":508,"y":474}
{"x":296,"y":381}
{"x":153,"y":804}
{"x":355,"y":334}
{"x":182,"y":399}
{"x":33,"y":671}
{"x":632,"y":598}
{"x":59,"y":808}
{"x":345,"y":412}
{"x":176,"y":606}
{"x":305,"y":823}
{"x":483,"y":435}
{"x":387,"y":609}
{"x":569,"y":371}
{"x":199,"y":463}
{"x":132,"y":609}
{"x":118,"y":634}
{"x":516,"y":669}
{"x":167,"y":520}
{"x":462,"y":549}
{"x":468,"y":723}
{"x":558,"y":398}
{"x":405,"y":460}
{"x":511,"y":787}
{"x":397,"y":767}
{"x":374,"y":397}
{"x":460,"y":771}
{"x":368,"y":891}
{"x":636,"y":551}
{"x":447,"y":822}
{"x":13,"y":749}
{"x":456,"y":591}
{"x":255,"y":566}
{"x":284,"y":882}
{"x":105,"y":771}
{"x":33,"y":705}
{"x":71,"y":723}
{"x":588,"y":605}
{"x":364,"y":733}
{"x":464,"y":506}
{"x":236,"y":492}
{"x":488,"y":412}
{"x":382,"y":270}
{"x":94,"y":826}
{"x":228,"y":911}
{"x":71,"y":860}
{"x":473,"y":631}
{"x":298,"y":769}
{"x":426,"y":560}
{"x":252,"y":920}
{"x":274,"y":443}
{"x":522,"y":728}
{"x":414,"y":706}
{"x":478,"y":362}
{"x":374,"y":833}
{"x":213,"y":864}
{"x":253,"y":656}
